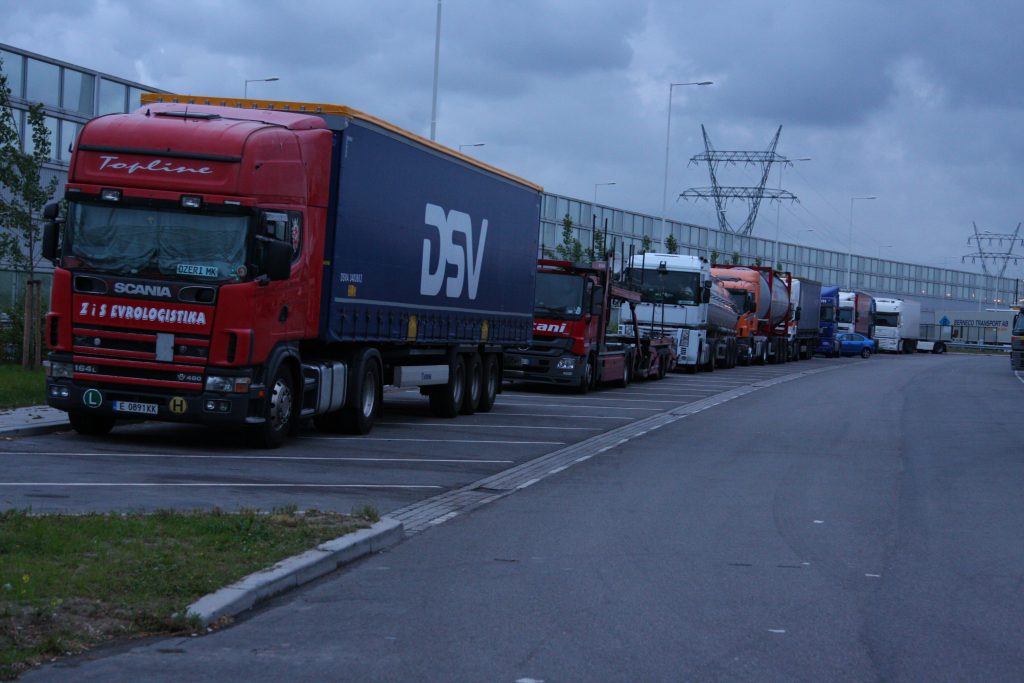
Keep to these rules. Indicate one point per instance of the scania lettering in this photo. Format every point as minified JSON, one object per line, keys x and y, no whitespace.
{"x":269,"y":264}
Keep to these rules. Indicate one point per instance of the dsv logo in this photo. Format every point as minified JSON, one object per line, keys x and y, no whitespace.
{"x":466,"y":259}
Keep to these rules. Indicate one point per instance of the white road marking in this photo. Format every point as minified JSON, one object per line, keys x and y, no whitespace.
{"x":577,"y":405}
{"x":374,"y":438}
{"x":443,"y":518}
{"x":576,"y":417}
{"x":819,"y":521}
{"x":615,"y":400}
{"x":776,"y":630}
{"x":487,"y":426}
{"x":527,"y":483}
{"x":253,"y":457}
{"x":558,"y":469}
{"x":214,"y":484}
{"x":873,"y":576}
{"x":1017,"y":373}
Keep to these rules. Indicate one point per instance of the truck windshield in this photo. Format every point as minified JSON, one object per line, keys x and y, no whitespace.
{"x":887,"y":319}
{"x":845,"y":315}
{"x":828,"y":312}
{"x":680,"y":289}
{"x":558,"y":296}
{"x":134,"y":240}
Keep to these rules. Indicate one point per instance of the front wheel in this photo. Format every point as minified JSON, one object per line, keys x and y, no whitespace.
{"x":587,"y":379}
{"x":865,"y":353}
{"x":278,"y":412}
{"x":91,"y":425}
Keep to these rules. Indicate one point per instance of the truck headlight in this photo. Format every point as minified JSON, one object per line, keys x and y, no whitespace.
{"x":228,"y":385}
{"x":60,"y":370}
{"x":566,"y":363}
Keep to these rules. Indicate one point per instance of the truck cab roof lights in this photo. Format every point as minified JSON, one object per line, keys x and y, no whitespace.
{"x":191,"y":201}
{"x":188,"y":114}
{"x":110,"y":195}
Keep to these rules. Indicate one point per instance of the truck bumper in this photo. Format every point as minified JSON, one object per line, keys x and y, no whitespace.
{"x":207,"y":407}
{"x":543,"y":368}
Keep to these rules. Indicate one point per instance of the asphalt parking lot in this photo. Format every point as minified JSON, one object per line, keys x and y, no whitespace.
{"x":410,"y":456}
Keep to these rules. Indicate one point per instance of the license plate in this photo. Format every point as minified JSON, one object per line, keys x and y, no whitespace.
{"x":135,"y":407}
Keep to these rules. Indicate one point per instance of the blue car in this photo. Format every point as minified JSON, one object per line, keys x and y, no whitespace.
{"x":851,"y":344}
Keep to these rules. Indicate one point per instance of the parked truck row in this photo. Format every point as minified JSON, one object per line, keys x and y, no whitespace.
{"x":239,"y":262}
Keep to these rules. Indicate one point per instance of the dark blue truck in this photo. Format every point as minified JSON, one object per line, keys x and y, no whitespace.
{"x":827,"y":342}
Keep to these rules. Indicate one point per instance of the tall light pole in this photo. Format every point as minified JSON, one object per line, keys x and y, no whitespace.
{"x":668,"y":137}
{"x":474,"y":144}
{"x":778,"y":212}
{"x":849,"y":255}
{"x":597,"y":185}
{"x":258,"y":80}
{"x":437,"y":62}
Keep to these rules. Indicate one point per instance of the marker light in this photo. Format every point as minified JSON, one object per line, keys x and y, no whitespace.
{"x":109,"y":195}
{"x":191,"y":201}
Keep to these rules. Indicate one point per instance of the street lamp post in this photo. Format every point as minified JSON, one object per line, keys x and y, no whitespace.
{"x":437,"y":64}
{"x":668,"y":137}
{"x":778,"y":211}
{"x":597,"y":185}
{"x":849,"y":255}
{"x":474,"y":144}
{"x":258,"y":80}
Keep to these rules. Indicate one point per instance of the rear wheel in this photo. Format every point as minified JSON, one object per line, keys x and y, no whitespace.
{"x":91,"y":425}
{"x":491,"y":377}
{"x":474,"y":384}
{"x":359,"y":417}
{"x":627,"y":363}
{"x":865,"y":353}
{"x":446,"y":400}
{"x":939,"y":348}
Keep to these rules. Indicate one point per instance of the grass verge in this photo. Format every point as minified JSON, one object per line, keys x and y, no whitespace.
{"x":68,"y":582}
{"x":20,"y":387}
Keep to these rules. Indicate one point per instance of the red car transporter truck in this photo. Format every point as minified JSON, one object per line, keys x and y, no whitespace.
{"x":256,"y":263}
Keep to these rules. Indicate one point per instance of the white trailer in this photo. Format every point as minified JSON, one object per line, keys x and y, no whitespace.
{"x":897,"y":325}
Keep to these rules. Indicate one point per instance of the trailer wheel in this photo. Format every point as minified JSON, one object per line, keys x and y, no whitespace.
{"x":662,"y":364}
{"x":278,"y":412}
{"x":939,"y":348}
{"x":91,"y":425}
{"x":446,"y":401}
{"x":489,"y":394}
{"x":474,"y":384}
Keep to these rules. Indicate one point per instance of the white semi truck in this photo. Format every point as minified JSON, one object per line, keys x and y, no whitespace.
{"x":897,"y":325}
{"x":680,"y":299}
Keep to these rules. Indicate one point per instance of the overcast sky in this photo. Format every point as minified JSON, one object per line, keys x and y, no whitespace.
{"x":918,"y":102}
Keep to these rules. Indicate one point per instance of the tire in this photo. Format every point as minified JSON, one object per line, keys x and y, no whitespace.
{"x":89,"y":424}
{"x":587,"y":378}
{"x":939,"y":348}
{"x":474,"y":384}
{"x":365,"y":387}
{"x":865,"y":353}
{"x":278,"y":411}
{"x":446,"y":401}
{"x":662,"y":364}
{"x":491,"y":379}
{"x":627,"y":375}
{"x":837,"y":349}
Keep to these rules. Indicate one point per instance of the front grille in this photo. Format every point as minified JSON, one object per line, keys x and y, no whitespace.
{"x":115,"y":357}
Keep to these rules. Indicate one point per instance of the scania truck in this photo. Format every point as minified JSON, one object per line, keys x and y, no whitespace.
{"x":243,"y":262}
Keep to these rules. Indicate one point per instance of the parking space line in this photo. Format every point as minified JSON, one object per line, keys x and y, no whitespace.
{"x":576,"y":405}
{"x":216,"y":484}
{"x":578,"y":417}
{"x":480,"y":426}
{"x":629,"y":400}
{"x":375,"y":438}
{"x":285,"y":458}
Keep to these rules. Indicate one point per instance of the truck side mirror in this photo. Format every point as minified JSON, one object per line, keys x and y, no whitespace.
{"x":597,"y":301}
{"x":751,"y":306}
{"x":705,"y":296}
{"x":48,"y":248}
{"x":797,"y":314}
{"x":51,"y":211}
{"x":277,"y":259}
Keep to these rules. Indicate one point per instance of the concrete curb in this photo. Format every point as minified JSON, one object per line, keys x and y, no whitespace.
{"x":35,"y":430}
{"x":295,"y":571}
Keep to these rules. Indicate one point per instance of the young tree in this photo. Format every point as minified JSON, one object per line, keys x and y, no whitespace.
{"x":645,"y":244}
{"x":735,"y":258}
{"x":22,"y":197}
{"x":671,"y":244}
{"x":571,"y":249}
{"x":715,"y":257}
{"x":597,"y":249}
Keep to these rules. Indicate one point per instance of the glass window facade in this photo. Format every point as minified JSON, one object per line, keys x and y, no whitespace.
{"x":42,"y":82}
{"x":113,"y":97}
{"x":13,"y":66}
{"x":78,"y":91}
